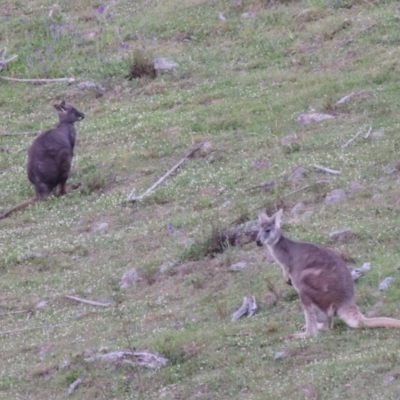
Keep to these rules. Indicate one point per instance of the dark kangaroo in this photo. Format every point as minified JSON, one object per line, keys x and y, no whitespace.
{"x":320,"y":277}
{"x":50,"y":156}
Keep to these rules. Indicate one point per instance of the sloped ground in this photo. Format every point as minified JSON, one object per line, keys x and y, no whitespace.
{"x":241,"y":85}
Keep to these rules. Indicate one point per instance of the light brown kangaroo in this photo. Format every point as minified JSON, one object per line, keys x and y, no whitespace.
{"x":320,"y":277}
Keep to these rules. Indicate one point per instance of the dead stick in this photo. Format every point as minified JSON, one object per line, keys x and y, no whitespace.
{"x":132,"y":198}
{"x":366,"y":136}
{"x":361,"y":130}
{"x":297,"y":190}
{"x":14,"y":312}
{"x":30,"y":329}
{"x":304,"y":188}
{"x":20,"y":133}
{"x":328,"y":170}
{"x":55,"y":80}
{"x":91,"y":302}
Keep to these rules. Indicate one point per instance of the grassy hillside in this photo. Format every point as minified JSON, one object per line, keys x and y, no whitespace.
{"x":240,"y":86}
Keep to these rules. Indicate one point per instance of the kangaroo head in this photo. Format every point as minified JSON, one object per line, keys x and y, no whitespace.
{"x":270,"y":231}
{"x":67,"y":113}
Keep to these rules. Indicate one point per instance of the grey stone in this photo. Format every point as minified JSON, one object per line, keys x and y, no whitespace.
{"x":163,"y":64}
{"x":279,"y":355}
{"x":238,"y":266}
{"x":289,"y":140}
{"x":355,"y":186}
{"x":41,"y":304}
{"x":101,"y":226}
{"x":335,"y":196}
{"x":297,"y":174}
{"x":168,"y":265}
{"x":128,"y":278}
{"x":297,"y":208}
{"x":385,"y":283}
{"x":340,"y":235}
{"x":90,"y":85}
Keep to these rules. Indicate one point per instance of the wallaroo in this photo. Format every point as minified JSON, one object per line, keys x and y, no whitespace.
{"x":50,"y":156}
{"x":320,"y":277}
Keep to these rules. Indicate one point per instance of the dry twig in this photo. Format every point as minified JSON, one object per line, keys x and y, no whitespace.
{"x":90,"y":302}
{"x":29,"y":329}
{"x":38,"y":81}
{"x":304,"y":188}
{"x":132,"y":198}
{"x":14,"y":312}
{"x":360,"y":131}
{"x":328,"y":170}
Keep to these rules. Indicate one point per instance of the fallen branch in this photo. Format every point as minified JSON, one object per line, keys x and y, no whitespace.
{"x":265,"y":186}
{"x":304,"y":188}
{"x":38,"y":81}
{"x":20,"y":133}
{"x":249,"y":306}
{"x":29,"y":329}
{"x":74,"y":385}
{"x":328,"y":170}
{"x":131,"y":357}
{"x":132,"y":198}
{"x":14,"y":312}
{"x":361,"y":130}
{"x":90,"y":302}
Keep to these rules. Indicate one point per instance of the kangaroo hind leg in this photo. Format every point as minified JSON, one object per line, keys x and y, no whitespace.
{"x":310,"y":315}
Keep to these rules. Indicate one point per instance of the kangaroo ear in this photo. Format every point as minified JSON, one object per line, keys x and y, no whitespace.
{"x":262,"y":217}
{"x":61,"y":107}
{"x":277,"y":217}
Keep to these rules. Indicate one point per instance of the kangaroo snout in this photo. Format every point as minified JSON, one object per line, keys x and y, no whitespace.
{"x":81,"y":116}
{"x":259,"y":243}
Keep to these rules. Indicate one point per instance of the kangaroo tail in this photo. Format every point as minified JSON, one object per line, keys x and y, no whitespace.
{"x":353,"y":317}
{"x":380,"y":322}
{"x":19,"y":207}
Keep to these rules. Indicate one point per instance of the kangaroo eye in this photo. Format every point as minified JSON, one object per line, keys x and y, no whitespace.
{"x":268,"y":230}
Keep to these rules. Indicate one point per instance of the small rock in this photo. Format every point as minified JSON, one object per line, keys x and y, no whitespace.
{"x":388,"y":379}
{"x":162,"y":64}
{"x":41,"y":304}
{"x":355,"y":186}
{"x":29,"y":255}
{"x":335,"y":196}
{"x":313,"y":117}
{"x":377,"y":134}
{"x":340,"y":235}
{"x":221,"y":16}
{"x":307,"y":214}
{"x":297,"y":174}
{"x":101,"y":226}
{"x":168,"y":265}
{"x":295,"y":210}
{"x":128,"y":278}
{"x":65,"y":363}
{"x":206,"y":149}
{"x":289,"y":140}
{"x":358,"y":272}
{"x":250,"y":14}
{"x":279,"y":355}
{"x":90,"y":85}
{"x":385,"y":283}
{"x":238,"y":267}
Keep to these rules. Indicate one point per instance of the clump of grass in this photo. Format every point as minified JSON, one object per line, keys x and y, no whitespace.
{"x":215,"y":243}
{"x":141,"y":66}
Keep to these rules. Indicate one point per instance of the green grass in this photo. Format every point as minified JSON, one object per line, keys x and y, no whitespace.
{"x":240,"y":85}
